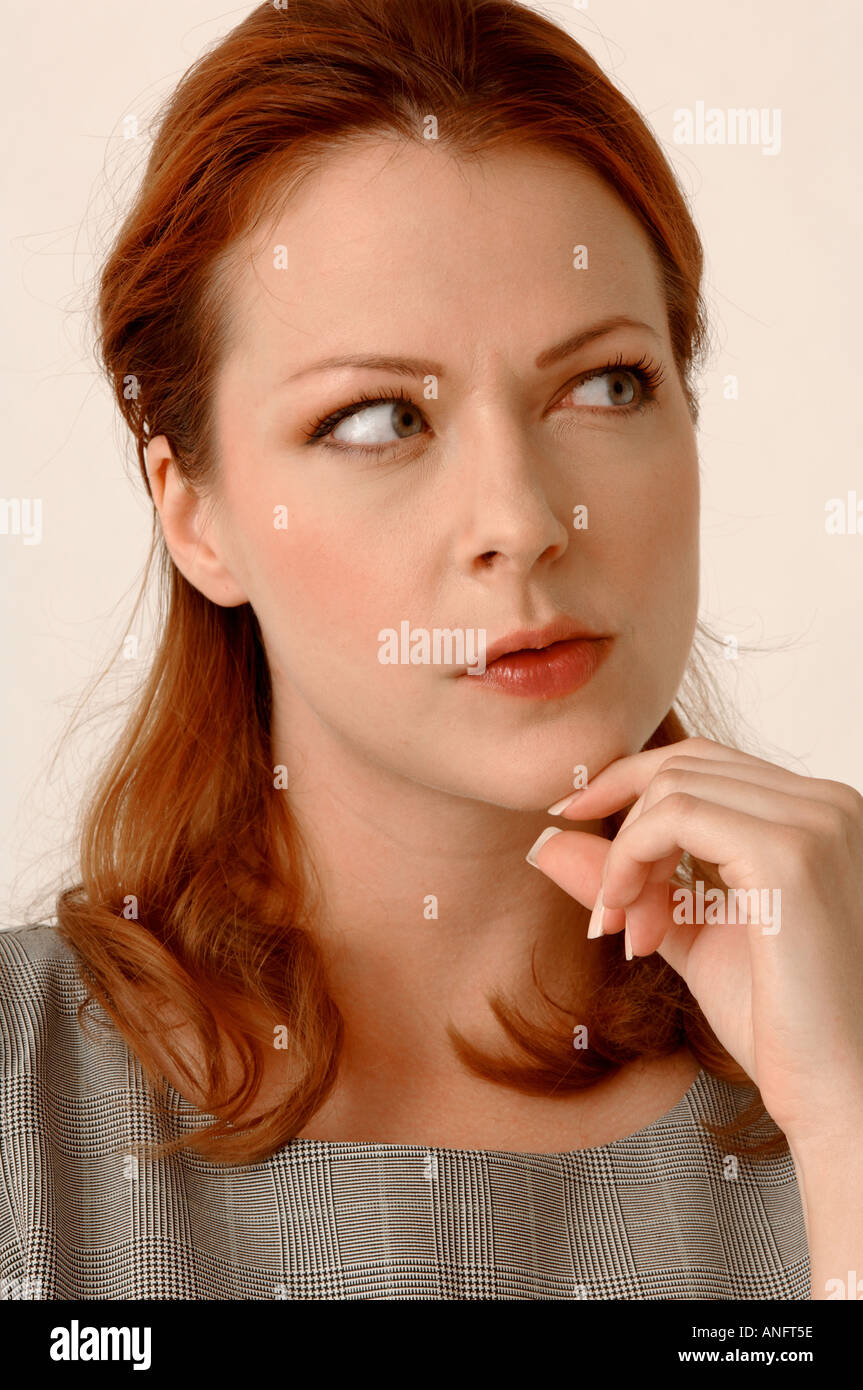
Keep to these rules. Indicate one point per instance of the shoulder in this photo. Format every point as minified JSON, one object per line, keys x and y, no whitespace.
{"x":40,"y":990}
{"x":32,"y":957}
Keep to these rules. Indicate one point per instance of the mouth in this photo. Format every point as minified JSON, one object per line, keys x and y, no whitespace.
{"x":545,"y":672}
{"x":540,"y":639}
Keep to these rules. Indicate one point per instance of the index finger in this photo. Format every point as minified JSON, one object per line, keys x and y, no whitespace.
{"x":624,"y":780}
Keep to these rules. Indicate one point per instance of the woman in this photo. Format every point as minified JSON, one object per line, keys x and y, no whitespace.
{"x":403,"y":322}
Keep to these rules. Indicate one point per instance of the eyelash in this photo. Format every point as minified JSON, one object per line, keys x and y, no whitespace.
{"x":649,"y":374}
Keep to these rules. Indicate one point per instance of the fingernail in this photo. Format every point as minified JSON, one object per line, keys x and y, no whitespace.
{"x":627,"y":942}
{"x":595,"y":926}
{"x":565,"y":801}
{"x":537,"y":846}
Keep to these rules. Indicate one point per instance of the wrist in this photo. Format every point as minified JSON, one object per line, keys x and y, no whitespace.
{"x":829,"y":1168}
{"x":831,"y":1147}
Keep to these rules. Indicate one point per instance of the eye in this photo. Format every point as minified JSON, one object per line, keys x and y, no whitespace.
{"x":616,"y":388}
{"x":626,"y":385}
{"x":381,"y":422}
{"x":362,"y":425}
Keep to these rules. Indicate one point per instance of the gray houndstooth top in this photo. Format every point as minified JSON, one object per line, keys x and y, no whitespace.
{"x":659,"y":1214}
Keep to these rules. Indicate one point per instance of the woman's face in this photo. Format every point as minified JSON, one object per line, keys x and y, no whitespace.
{"x":456,"y":511}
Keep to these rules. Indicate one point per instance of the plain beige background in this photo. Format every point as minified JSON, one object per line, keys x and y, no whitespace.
{"x":782,"y":234}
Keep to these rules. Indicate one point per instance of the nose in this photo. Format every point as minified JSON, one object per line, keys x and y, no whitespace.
{"x":512,"y":509}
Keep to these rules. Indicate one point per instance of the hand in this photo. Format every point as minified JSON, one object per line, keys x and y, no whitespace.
{"x":783,"y":993}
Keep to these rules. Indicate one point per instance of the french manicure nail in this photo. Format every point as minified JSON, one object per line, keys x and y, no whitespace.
{"x":627,"y":942}
{"x":595,"y":927}
{"x":565,"y":801}
{"x":537,"y":846}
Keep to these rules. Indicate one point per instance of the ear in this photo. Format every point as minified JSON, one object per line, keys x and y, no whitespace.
{"x":190,"y":536}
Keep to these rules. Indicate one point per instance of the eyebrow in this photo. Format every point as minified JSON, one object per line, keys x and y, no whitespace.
{"x":415,"y":366}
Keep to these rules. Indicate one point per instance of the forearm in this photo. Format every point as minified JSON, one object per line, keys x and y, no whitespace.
{"x":830,"y":1177}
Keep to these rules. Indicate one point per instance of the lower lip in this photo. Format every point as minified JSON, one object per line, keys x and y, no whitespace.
{"x":549,"y":672}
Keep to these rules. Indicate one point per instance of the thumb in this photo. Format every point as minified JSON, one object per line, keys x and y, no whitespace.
{"x":574,"y":860}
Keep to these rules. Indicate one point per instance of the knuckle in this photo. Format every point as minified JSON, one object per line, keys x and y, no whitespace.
{"x":668,"y":779}
{"x":847,"y":798}
{"x":681,"y":803}
{"x":677,"y":762}
{"x":831,"y":819}
{"x":797,"y":850}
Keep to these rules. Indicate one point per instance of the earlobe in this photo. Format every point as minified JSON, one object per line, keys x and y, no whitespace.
{"x":192,"y":541}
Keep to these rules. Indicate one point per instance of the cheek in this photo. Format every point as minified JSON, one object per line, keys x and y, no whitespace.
{"x":652,"y":562}
{"x":322,"y":591}
{"x":653,"y":528}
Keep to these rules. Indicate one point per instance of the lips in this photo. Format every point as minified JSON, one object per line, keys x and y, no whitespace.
{"x":545,"y":673}
{"x":560,"y":630}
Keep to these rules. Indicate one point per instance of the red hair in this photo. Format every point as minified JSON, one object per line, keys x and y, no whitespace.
{"x":192,"y":887}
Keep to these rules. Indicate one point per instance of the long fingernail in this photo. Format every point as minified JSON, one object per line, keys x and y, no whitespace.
{"x":537,"y":846}
{"x":627,"y":942}
{"x":595,"y":927}
{"x":565,"y":801}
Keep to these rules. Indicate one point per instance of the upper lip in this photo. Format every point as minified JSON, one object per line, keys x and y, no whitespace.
{"x":560,"y":630}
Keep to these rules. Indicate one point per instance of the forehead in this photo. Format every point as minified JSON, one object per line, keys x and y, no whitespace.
{"x":428,"y":248}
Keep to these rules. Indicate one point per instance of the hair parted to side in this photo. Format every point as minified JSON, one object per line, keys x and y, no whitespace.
{"x":184,"y":818}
